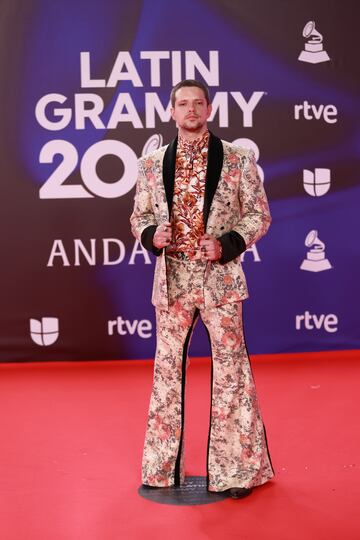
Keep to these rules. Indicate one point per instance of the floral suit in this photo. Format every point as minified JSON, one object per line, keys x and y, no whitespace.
{"x":237,"y":213}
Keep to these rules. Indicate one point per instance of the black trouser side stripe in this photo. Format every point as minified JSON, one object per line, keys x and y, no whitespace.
{"x":183,"y":381}
{"x":247,"y":352}
{"x":211,"y":396}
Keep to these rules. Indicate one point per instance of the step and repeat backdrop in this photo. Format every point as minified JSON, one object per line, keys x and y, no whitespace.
{"x":85,"y":91}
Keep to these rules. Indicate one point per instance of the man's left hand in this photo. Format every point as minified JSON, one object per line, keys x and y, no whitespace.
{"x":211,"y":249}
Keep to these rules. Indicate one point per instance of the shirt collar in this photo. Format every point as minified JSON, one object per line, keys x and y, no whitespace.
{"x":195,"y":145}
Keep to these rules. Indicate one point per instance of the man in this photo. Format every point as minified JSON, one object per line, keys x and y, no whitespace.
{"x":199,"y":204}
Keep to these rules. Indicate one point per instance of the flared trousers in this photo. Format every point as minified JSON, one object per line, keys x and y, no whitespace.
{"x":237,"y":454}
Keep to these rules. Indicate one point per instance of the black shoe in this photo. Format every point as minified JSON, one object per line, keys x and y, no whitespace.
{"x":146,"y":486}
{"x":239,"y":493}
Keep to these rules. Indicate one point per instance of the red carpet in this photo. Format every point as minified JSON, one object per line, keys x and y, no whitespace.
{"x":72,"y":436}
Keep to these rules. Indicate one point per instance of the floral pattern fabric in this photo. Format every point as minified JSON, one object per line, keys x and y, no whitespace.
{"x":188,"y":200}
{"x":237,"y":454}
{"x":239,"y":204}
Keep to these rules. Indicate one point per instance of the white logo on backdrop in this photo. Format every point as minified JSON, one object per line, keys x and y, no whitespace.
{"x":315,"y":258}
{"x":251,"y":145}
{"x":255,"y":254}
{"x":309,"y":111}
{"x":55,"y":111}
{"x":55,"y":186}
{"x":311,"y":321}
{"x":122,"y":327}
{"x":95,"y":252}
{"x":316,"y":183}
{"x":153,"y":143}
{"x":313,"y":52}
{"x":44,"y":332}
{"x":107,"y":252}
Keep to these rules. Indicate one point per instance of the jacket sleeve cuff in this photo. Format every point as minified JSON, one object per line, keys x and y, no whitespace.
{"x":147,"y":240}
{"x":233,"y":245}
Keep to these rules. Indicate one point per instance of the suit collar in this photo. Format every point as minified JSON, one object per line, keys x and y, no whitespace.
{"x":169,"y":163}
{"x":213,"y":171}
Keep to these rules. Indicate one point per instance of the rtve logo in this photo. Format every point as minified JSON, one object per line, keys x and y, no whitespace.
{"x":313,"y":112}
{"x":315,"y":322}
{"x":44,"y":332}
{"x":123,"y":327}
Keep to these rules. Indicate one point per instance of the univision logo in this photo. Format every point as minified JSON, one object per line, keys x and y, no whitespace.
{"x":44,"y":332}
{"x":316,"y":183}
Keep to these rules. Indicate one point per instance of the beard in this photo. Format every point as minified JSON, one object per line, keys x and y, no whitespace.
{"x":193,"y":125}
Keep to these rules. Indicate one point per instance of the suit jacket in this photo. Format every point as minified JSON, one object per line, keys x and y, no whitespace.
{"x":235,"y":211}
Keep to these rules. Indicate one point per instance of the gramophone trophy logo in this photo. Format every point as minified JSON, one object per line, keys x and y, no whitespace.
{"x":313,"y":51}
{"x":315,"y":258}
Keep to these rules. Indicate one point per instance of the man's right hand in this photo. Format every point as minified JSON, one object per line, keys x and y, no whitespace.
{"x":162,"y":236}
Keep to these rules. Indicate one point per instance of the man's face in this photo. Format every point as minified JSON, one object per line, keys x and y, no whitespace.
{"x":191,"y":110}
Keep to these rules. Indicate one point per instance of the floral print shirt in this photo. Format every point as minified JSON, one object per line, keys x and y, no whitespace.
{"x":189,"y":191}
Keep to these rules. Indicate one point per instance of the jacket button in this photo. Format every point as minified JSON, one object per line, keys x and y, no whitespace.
{"x":222,"y":228}
{"x":228,"y":203}
{"x":156,"y":204}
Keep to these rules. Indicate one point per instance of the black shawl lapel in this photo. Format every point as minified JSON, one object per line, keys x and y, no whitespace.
{"x":213,"y":172}
{"x":169,"y":163}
